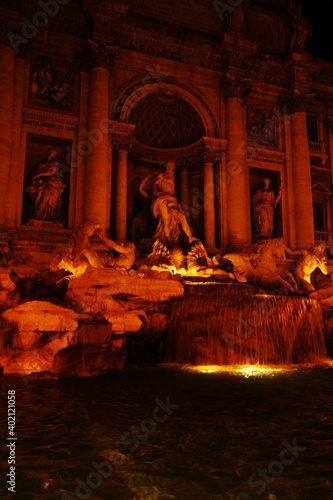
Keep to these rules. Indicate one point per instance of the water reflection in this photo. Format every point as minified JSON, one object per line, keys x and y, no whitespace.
{"x":230,"y":422}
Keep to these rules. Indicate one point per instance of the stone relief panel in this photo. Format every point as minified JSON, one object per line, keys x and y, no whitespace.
{"x":262,"y":126}
{"x":46,"y":181}
{"x":51,"y":82}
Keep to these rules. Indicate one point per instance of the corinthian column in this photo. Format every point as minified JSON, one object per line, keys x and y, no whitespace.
{"x":237,"y":173}
{"x":98,"y":164}
{"x":120,"y":219}
{"x":301,"y":171}
{"x":7,"y":73}
{"x":210,"y":158}
{"x":184,"y":194}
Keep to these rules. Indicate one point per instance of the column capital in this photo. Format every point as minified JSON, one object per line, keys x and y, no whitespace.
{"x":121,"y":143}
{"x":297,"y":101}
{"x":121,"y":135}
{"x":211,"y":156}
{"x":100,"y":55}
{"x":234,"y":86}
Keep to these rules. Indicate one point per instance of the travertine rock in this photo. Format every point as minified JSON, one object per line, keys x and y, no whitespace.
{"x":36,"y":316}
{"x":9,"y":294}
{"x":102,"y":290}
{"x":89,"y":359}
{"x":101,"y":287}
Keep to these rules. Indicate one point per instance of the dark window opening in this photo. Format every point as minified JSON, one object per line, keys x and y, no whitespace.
{"x":319,"y":217}
{"x":312,"y":126}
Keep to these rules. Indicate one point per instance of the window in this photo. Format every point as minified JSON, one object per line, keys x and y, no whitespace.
{"x":319,"y":216}
{"x":312,"y":126}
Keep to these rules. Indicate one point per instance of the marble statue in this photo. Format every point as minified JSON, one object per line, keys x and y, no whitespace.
{"x":236,"y":18}
{"x":81,"y":254}
{"x":264,"y":274}
{"x":263,"y":206}
{"x":126,"y":252}
{"x":301,"y":29}
{"x":82,"y":247}
{"x":308,"y":262}
{"x":46,"y":189}
{"x":160,"y":190}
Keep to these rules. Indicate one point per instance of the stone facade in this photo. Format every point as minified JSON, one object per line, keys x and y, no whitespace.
{"x":119,"y":88}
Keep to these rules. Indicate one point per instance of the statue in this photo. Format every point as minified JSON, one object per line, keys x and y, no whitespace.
{"x":82,"y":247}
{"x":160,"y":190}
{"x":126,"y":252}
{"x":236,"y":18}
{"x":301,"y":29}
{"x":265,"y":273}
{"x":263,"y":206}
{"x":80,"y":253}
{"x":46,"y":189}
{"x":307,"y":263}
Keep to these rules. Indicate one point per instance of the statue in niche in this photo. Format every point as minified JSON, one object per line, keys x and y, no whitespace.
{"x":46,"y":189}
{"x":160,"y":190}
{"x":308,"y":262}
{"x":301,"y":29}
{"x":47,"y":87}
{"x":263,"y":205}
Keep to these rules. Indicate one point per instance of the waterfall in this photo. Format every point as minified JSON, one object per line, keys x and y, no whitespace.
{"x":231,"y":329}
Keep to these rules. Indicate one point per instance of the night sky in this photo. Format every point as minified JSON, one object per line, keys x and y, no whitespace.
{"x":319,"y":13}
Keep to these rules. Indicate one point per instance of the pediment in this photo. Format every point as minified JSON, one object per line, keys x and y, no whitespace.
{"x":320,"y":188}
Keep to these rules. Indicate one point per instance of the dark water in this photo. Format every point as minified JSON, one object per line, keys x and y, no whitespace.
{"x":228,"y":425}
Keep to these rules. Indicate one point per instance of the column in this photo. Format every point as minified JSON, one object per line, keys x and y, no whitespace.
{"x":98,"y":163}
{"x":184,"y":192}
{"x":120,"y":219}
{"x":304,"y":223}
{"x":7,"y":73}
{"x":14,"y":191}
{"x":237,"y":173}
{"x":209,"y":200}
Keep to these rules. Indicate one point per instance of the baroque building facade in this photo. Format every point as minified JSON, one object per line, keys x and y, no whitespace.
{"x":116,"y":89}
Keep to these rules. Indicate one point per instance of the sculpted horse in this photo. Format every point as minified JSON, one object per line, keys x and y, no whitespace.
{"x":308,"y":262}
{"x":265,"y":274}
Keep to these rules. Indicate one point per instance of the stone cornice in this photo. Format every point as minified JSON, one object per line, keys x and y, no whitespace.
{"x":106,"y":12}
{"x":142,"y":41}
{"x":265,"y":155}
{"x":236,"y":50}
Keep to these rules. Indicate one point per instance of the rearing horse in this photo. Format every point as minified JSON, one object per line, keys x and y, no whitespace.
{"x":265,"y":273}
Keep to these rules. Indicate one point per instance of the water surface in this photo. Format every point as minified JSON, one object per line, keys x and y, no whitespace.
{"x":228,"y":425}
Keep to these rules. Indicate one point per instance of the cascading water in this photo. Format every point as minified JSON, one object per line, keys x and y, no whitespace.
{"x":226,"y":329}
